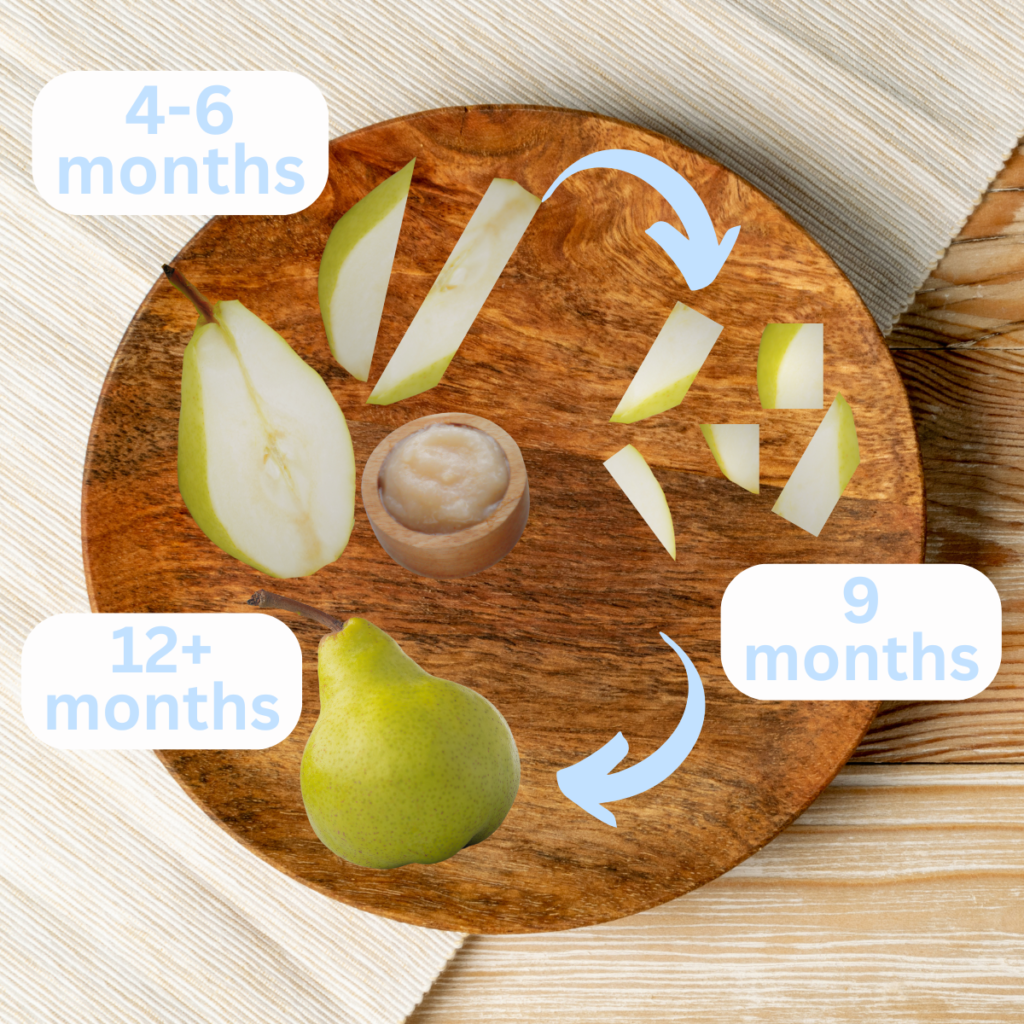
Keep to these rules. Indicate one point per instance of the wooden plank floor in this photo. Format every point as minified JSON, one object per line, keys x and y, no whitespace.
{"x":899,"y":895}
{"x":960,"y":350}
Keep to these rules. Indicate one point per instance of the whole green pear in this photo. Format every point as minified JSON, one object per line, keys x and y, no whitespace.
{"x":401,"y":767}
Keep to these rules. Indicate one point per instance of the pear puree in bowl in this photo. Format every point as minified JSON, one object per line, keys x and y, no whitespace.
{"x":444,"y":478}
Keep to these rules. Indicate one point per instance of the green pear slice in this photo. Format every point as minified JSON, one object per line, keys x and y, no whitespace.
{"x":823,"y":472}
{"x":630,"y":471}
{"x":459,"y":293}
{"x":670,"y":366}
{"x":791,"y":366}
{"x":736,"y":448}
{"x":355,"y":269}
{"x":265,"y":461}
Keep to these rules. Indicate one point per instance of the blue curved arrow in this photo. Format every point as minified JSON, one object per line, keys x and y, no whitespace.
{"x":588,"y":783}
{"x":697,"y":254}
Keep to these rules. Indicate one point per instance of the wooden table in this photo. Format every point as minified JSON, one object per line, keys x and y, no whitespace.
{"x":899,"y":895}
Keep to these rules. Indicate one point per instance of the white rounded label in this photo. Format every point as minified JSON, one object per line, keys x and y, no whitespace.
{"x":180,"y":142}
{"x":861,"y":632}
{"x":161,"y":682}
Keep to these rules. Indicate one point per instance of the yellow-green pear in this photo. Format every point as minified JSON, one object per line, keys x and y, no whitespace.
{"x":401,"y":767}
{"x":265,"y":462}
{"x":355,"y":269}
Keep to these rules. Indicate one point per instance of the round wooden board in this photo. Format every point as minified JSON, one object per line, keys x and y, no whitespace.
{"x":562,"y":635}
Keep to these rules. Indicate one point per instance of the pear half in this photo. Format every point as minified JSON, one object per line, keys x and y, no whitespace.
{"x":670,"y":366}
{"x":791,"y":366}
{"x":265,"y":461}
{"x":459,"y":293}
{"x":630,"y":471}
{"x":355,"y":269}
{"x":825,"y":468}
{"x":736,"y":448}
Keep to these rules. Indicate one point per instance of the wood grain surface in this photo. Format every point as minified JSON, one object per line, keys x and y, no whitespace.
{"x":960,"y":351}
{"x":896,"y":897}
{"x":562,"y":635}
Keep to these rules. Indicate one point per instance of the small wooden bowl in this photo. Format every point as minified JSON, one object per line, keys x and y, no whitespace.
{"x":450,"y":555}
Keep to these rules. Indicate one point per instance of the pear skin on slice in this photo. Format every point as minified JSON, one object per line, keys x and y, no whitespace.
{"x":791,"y":366}
{"x":355,"y":270}
{"x":630,"y":471}
{"x":825,"y":468}
{"x":459,"y":292}
{"x":736,"y":449}
{"x":670,"y":366}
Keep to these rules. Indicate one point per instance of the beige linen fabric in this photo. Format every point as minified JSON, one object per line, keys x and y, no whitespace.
{"x":875,"y":124}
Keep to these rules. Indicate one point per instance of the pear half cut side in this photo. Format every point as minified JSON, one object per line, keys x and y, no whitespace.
{"x":459,"y":292}
{"x":825,"y":468}
{"x":355,"y":270}
{"x":630,"y":471}
{"x":265,"y":461}
{"x":670,"y":366}
{"x":736,"y":448}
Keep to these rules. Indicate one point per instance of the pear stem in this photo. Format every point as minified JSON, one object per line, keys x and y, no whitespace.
{"x":192,"y":293}
{"x":265,"y":599}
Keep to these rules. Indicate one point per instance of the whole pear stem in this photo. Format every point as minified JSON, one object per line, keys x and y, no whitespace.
{"x":265,"y":599}
{"x":203,"y":306}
